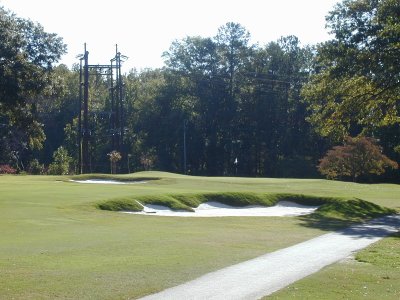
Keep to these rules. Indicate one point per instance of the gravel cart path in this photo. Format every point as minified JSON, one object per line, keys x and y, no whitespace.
{"x":268,"y":273}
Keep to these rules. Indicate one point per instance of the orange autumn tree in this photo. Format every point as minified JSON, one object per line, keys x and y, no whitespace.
{"x":358,"y":156}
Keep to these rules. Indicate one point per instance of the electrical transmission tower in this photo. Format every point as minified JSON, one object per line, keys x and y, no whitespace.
{"x":113,"y":72}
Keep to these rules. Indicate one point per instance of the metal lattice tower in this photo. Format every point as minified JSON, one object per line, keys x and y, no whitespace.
{"x":113,"y":72}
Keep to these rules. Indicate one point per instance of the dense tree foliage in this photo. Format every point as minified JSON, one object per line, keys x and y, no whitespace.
{"x":219,"y":106}
{"x":27,"y":55}
{"x":240,"y":101}
{"x":357,"y":85}
{"x":220,"y":98}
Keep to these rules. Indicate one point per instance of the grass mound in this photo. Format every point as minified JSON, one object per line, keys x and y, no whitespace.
{"x":240,"y":199}
{"x":120,"y":204}
{"x":133,"y":203}
{"x":331,"y":209}
{"x":122,"y":178}
{"x":352,"y":209}
{"x":188,"y":201}
{"x":341,"y":213}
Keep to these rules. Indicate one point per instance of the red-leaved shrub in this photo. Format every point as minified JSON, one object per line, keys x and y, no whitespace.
{"x":6,"y":169}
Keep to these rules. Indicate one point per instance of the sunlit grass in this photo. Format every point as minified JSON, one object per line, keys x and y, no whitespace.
{"x":56,"y":243}
{"x":372,"y":274}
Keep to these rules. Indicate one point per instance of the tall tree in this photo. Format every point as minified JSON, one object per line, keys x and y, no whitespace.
{"x":275,"y":135}
{"x":357,"y":85}
{"x":27,"y":55}
{"x":234,"y":52}
{"x":196,"y":62}
{"x":232,"y":41}
{"x":245,"y":100}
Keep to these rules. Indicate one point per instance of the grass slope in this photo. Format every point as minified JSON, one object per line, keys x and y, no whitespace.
{"x":55,"y":243}
{"x":337,"y":211}
{"x":123,"y":178}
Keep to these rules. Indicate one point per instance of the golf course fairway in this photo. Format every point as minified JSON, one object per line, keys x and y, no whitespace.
{"x":57,"y":243}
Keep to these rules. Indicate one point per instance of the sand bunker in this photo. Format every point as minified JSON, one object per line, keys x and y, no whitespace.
{"x":216,"y":209}
{"x":102,"y":181}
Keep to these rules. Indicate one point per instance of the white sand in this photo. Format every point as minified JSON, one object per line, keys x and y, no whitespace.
{"x":101,"y":181}
{"x":216,"y":209}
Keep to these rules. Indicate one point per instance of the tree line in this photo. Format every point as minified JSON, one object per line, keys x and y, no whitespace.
{"x":220,"y":105}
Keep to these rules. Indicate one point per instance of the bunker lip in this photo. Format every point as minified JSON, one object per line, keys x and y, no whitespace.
{"x":216,"y":209}
{"x":104,"y":181}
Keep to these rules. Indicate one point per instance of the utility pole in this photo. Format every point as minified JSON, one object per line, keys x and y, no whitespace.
{"x":121,"y":98}
{"x":112,"y":117}
{"x":80,"y":119}
{"x":184,"y":146}
{"x":86,"y":133}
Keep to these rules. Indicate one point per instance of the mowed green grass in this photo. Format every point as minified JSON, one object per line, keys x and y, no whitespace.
{"x":374,"y":273}
{"x":55,"y":243}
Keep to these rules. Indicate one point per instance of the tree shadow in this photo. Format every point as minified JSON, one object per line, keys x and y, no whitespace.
{"x":378,"y":227}
{"x":324,"y":223}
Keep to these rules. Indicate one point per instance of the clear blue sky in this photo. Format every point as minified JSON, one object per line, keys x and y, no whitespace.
{"x":144,"y":29}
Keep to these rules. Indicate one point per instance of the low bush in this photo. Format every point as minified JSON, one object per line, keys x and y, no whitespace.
{"x":61,"y":162}
{"x":7,"y":169}
{"x":36,"y":168}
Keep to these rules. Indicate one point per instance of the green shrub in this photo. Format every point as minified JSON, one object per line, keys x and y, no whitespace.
{"x":61,"y":162}
{"x":35,"y":168}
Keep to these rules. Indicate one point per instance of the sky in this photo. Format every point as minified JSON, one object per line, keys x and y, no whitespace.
{"x":144,"y":29}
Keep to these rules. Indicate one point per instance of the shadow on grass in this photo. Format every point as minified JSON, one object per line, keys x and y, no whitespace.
{"x":379,"y":226}
{"x":324,"y":223}
{"x":338,"y":214}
